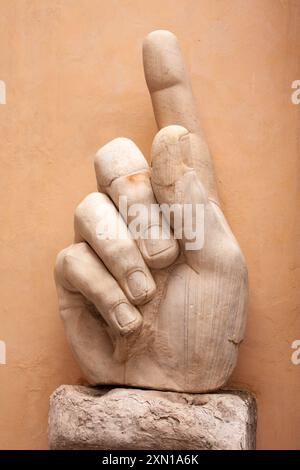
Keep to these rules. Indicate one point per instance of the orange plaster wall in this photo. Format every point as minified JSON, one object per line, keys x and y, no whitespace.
{"x":74,"y":80}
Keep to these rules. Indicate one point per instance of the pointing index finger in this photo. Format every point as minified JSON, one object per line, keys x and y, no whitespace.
{"x":167,"y":81}
{"x":173,"y":101}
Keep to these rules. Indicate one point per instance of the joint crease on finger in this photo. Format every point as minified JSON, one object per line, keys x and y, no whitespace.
{"x":139,"y":172}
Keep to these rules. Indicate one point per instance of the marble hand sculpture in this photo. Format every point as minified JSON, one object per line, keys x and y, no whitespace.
{"x":151,"y":312}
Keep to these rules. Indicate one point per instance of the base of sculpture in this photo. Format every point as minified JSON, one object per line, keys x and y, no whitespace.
{"x":134,"y":419}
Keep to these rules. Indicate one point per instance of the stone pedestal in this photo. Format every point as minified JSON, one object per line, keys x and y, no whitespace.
{"x":132,"y":419}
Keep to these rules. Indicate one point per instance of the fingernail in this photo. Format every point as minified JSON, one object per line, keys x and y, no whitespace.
{"x":125,"y":314}
{"x":140,"y":285}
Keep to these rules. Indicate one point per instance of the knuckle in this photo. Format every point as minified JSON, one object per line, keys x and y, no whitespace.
{"x":93,"y":204}
{"x":65,"y":261}
{"x":59,"y":267}
{"x":89,"y":200}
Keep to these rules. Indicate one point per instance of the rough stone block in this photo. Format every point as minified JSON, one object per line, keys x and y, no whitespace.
{"x":120,"y":418}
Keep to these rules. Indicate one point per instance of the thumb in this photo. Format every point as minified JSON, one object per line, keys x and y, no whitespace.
{"x":177,"y":187}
